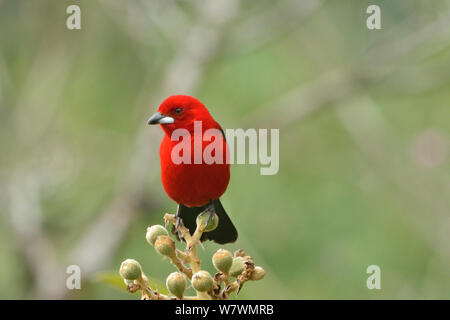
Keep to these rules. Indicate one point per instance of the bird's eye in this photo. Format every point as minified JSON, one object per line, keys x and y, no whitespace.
{"x":178,"y":110}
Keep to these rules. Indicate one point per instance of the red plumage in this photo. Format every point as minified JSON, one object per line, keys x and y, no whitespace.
{"x":197,"y":185}
{"x":191,"y":184}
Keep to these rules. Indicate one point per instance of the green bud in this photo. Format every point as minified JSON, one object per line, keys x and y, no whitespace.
{"x":213,"y":222}
{"x":176,"y":283}
{"x":153,"y":232}
{"x":165,"y":246}
{"x":237,"y":267}
{"x":130,"y":269}
{"x":222,"y":260}
{"x":257,"y":274}
{"x":202,"y":281}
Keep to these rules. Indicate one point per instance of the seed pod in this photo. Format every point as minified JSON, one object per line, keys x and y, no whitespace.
{"x":130,"y":269}
{"x":176,"y":283}
{"x":202,"y":281}
{"x":222,"y":260}
{"x":153,"y":232}
{"x":237,"y":267}
{"x":202,"y":219}
{"x":165,"y":246}
{"x":257,"y":274}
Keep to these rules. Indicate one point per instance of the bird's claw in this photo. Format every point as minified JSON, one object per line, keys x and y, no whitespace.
{"x":211,"y":213}
{"x":175,"y":228}
{"x":177,"y":221}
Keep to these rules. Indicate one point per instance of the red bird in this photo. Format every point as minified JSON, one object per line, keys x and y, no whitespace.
{"x":195,"y":185}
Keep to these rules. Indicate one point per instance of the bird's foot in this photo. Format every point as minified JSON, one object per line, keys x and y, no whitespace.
{"x":178,"y":221}
{"x":210,"y":211}
{"x":176,"y":231}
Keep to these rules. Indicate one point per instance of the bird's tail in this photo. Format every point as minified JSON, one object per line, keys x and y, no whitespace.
{"x":225,"y":231}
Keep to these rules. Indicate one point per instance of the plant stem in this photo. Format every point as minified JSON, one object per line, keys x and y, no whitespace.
{"x":181,"y":267}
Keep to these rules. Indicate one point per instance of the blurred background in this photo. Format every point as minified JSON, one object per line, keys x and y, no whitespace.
{"x":364,"y":121}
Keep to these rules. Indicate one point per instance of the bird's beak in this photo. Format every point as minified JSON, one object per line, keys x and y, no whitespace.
{"x":158,"y":118}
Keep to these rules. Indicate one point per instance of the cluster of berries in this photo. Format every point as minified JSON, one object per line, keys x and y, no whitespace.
{"x":232,"y":270}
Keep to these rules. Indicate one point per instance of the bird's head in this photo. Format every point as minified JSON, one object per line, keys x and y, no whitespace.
{"x":181,"y":111}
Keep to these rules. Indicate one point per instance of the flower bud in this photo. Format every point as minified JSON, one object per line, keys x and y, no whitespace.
{"x":202,"y":219}
{"x":202,"y":281}
{"x":176,"y":283}
{"x":165,"y":246}
{"x":222,"y":260}
{"x":130,"y":269}
{"x":257,"y":274}
{"x":154,"y":232}
{"x":237,"y":267}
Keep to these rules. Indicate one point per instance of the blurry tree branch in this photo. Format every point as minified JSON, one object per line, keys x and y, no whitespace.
{"x":279,"y":19}
{"x":377,"y":64}
{"x":25,"y":216}
{"x":24,"y":188}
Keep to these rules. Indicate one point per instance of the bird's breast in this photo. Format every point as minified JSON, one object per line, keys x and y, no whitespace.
{"x":187,"y":174}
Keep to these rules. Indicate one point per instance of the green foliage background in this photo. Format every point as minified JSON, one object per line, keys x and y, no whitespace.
{"x":363,"y":179}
